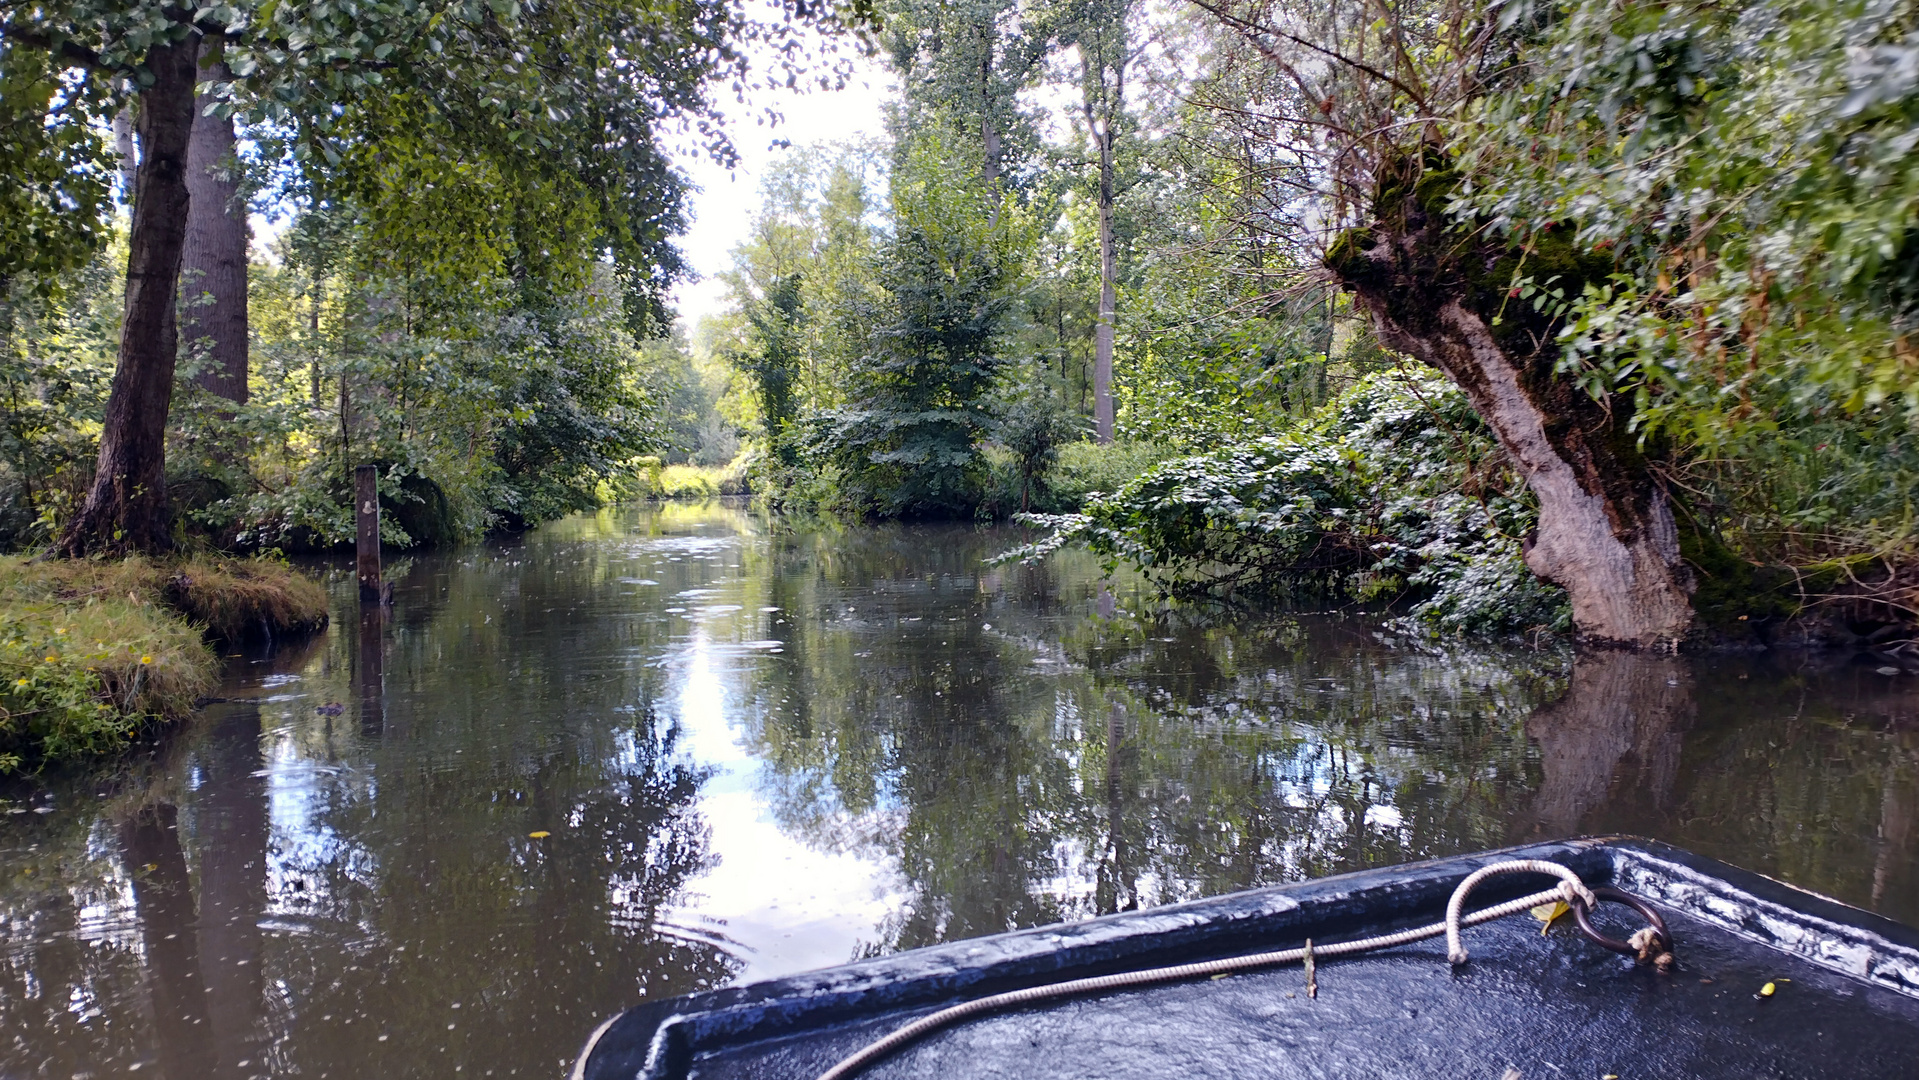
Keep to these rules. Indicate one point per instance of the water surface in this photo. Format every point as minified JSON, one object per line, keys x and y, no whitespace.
{"x":656,"y":751}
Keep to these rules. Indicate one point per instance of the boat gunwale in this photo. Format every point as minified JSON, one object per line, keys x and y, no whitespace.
{"x":658,"y":1040}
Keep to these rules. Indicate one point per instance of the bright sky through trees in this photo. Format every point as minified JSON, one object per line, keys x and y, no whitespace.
{"x":724,"y":206}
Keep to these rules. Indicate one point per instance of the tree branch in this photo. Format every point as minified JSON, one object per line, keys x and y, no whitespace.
{"x":75,"y":55}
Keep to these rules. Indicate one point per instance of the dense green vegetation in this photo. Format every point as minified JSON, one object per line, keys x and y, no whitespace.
{"x":1393,"y":490}
{"x":1186,"y":281}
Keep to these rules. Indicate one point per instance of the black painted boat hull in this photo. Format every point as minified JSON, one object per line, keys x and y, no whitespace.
{"x":1845,"y":1001}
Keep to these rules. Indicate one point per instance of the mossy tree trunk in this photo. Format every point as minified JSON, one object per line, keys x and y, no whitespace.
{"x":1606,"y":528}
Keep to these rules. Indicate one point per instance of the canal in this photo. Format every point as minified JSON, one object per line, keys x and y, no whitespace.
{"x":660,"y":750}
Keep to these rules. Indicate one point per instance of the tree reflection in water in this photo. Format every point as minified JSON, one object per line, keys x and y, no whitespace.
{"x":1618,"y":729}
{"x":1022,"y":758}
{"x":338,"y":877}
{"x":1028,"y":744}
{"x":322,"y":899}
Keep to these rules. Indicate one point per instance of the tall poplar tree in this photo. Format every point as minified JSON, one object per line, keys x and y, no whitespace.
{"x":1101,"y":34}
{"x":213,"y":261}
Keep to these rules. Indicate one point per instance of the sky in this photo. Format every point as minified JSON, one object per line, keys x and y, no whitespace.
{"x":723,"y":208}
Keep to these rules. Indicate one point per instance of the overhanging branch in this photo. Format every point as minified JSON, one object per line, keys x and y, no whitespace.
{"x":73,"y":54}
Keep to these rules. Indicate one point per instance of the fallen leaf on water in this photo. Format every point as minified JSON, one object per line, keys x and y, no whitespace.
{"x":1767,"y":990}
{"x":543,"y":834}
{"x":1547,"y":913}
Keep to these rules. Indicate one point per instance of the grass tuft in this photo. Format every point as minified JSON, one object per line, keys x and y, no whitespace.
{"x":241,"y":598}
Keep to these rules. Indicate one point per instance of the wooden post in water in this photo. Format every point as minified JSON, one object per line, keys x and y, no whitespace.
{"x":372,"y":669}
{"x":366,"y":513}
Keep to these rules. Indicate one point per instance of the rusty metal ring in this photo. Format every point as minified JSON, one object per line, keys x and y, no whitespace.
{"x":1606,"y":892}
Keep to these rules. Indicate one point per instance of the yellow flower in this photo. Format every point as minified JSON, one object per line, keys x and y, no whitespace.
{"x":143,"y":659}
{"x":59,"y":629}
{"x":51,"y":659}
{"x":20,"y":682}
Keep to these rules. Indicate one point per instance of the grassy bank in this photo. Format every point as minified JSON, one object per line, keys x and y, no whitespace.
{"x":92,"y":651}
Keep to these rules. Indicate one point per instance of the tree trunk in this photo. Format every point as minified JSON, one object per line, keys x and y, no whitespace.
{"x":1101,"y":102}
{"x":126,"y":508}
{"x":988,"y":134}
{"x":1108,"y":270}
{"x":1606,"y":529}
{"x":989,"y":166}
{"x":213,"y":264}
{"x":123,"y":150}
{"x":313,"y":331}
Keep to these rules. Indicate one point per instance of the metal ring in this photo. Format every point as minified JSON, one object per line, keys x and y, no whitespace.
{"x":1606,"y":892}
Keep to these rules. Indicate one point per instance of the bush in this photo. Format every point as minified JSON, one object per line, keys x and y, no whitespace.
{"x":687,"y":482}
{"x":649,"y":479}
{"x":1394,"y":492}
{"x":1088,"y":468}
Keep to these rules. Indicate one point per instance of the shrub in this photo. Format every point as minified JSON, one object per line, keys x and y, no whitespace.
{"x":1394,"y":492}
{"x":1087,"y":468}
{"x":652,"y":480}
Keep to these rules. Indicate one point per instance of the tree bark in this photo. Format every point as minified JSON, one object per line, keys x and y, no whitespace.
{"x":313,"y":330}
{"x":1606,"y":530}
{"x":1108,"y":302}
{"x":988,"y":134}
{"x":1101,"y":102}
{"x":213,"y":264}
{"x":126,"y":507}
{"x":127,"y":157}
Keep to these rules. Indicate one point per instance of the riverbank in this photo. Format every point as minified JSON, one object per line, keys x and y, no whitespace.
{"x":91,"y":652}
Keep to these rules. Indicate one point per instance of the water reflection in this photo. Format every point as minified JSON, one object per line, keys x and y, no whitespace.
{"x":651,"y":752}
{"x":1616,"y":733}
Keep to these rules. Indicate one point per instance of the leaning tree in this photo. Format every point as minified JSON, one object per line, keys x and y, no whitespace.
{"x":1633,"y":235}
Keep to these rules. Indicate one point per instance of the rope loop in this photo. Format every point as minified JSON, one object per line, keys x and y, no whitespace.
{"x":1572,"y":890}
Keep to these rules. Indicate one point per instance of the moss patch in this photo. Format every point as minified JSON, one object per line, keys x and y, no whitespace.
{"x":92,"y":651}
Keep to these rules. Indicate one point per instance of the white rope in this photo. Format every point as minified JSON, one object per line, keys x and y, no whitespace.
{"x":1568,"y":889}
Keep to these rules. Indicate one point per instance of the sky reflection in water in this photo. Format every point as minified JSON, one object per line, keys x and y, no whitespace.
{"x":753,"y":754}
